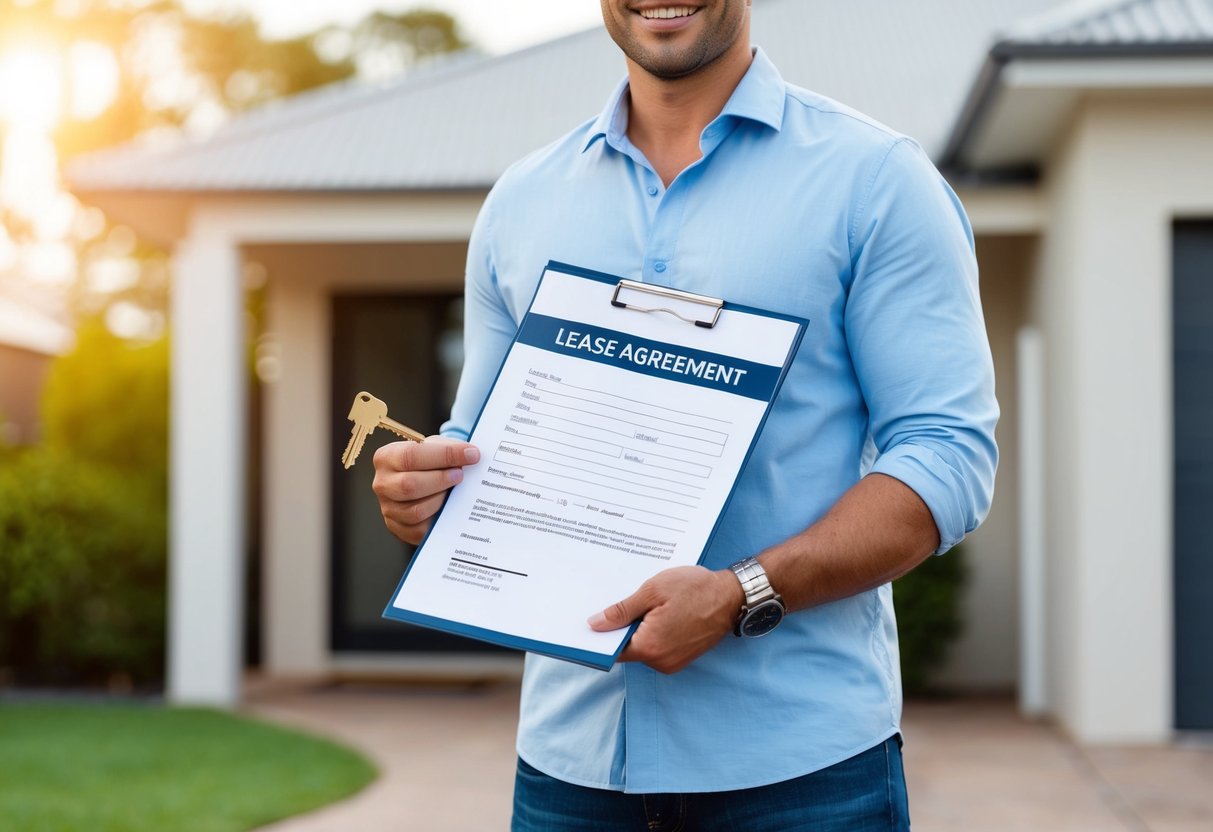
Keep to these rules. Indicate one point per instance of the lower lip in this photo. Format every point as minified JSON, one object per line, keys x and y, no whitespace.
{"x":666,"y":24}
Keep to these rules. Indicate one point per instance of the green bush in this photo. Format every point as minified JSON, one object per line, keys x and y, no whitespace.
{"x":83,"y":521}
{"x":928,"y":617}
{"x":82,"y":572}
{"x":107,"y":402}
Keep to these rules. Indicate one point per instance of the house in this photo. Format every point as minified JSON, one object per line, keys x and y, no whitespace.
{"x":29,"y":341}
{"x":1079,"y":136}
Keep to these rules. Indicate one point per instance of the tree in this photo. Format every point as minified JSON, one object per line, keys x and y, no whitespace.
{"x":221,"y":61}
{"x":176,"y":71}
{"x":106,"y":402}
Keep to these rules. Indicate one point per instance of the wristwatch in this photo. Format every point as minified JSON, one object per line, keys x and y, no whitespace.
{"x":763,"y":608}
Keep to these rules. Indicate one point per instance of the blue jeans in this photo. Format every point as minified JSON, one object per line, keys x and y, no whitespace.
{"x":866,"y":793}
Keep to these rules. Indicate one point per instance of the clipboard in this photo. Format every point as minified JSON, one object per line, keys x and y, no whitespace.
{"x":611,"y":442}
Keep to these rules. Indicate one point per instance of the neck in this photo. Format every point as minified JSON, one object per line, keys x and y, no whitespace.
{"x":667,"y":116}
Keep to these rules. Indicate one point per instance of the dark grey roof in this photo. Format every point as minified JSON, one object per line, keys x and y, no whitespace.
{"x":909,"y":64}
{"x":1127,"y":22}
{"x":455,"y":126}
{"x":1156,"y":30}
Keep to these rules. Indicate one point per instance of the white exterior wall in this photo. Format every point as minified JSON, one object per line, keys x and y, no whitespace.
{"x":1125,"y":169}
{"x":209,"y":431}
{"x":360,"y":256}
{"x":295,"y":569}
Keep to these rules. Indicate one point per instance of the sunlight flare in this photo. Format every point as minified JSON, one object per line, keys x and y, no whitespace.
{"x":31,"y":87}
{"x":93,"y":73}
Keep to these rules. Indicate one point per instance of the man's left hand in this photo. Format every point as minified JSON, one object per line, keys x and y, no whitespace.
{"x":683,"y":613}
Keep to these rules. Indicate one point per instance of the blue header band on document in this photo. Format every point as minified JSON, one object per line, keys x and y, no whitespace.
{"x":652,"y":358}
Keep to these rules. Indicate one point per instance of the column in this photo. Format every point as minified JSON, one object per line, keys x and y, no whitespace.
{"x":207,"y":480}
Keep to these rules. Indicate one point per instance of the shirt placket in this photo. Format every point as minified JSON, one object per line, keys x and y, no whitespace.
{"x":665,"y":225}
{"x":666,"y":208}
{"x":666,"y":215}
{"x":663,"y":214}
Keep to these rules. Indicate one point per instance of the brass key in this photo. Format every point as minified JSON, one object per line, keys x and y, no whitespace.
{"x":368,"y":413}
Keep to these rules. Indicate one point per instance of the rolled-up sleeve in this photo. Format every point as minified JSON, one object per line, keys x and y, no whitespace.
{"x":917,"y":337}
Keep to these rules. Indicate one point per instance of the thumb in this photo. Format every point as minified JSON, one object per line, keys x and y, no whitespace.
{"x":618,"y":615}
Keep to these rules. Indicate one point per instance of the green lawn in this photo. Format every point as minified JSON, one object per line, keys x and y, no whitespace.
{"x":132,"y":768}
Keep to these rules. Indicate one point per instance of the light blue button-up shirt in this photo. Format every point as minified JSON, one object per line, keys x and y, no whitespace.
{"x":801,"y":205}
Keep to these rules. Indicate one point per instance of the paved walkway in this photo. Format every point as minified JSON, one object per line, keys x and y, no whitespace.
{"x":446,"y":761}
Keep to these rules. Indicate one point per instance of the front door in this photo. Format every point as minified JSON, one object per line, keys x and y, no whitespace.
{"x":1193,"y":324}
{"x":407,"y":350}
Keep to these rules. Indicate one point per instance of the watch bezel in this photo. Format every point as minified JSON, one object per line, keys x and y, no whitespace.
{"x":746,"y":621}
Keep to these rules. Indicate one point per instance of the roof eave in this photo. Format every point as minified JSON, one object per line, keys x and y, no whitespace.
{"x":162,"y":217}
{"x":96,"y":191}
{"x":989,"y":82}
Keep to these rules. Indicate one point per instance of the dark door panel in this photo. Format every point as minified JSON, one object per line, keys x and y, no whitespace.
{"x":1193,"y":351}
{"x":407,"y":351}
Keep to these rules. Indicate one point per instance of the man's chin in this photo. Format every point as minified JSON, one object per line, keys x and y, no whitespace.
{"x":671,"y":68}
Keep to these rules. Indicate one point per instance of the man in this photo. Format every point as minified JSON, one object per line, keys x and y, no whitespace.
{"x":707,"y":173}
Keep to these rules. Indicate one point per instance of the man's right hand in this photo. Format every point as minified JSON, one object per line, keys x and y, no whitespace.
{"x":411,"y":480}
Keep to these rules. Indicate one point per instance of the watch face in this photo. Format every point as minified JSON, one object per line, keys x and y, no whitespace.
{"x":762,"y":619}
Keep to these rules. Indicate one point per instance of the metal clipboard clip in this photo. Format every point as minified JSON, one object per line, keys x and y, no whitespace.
{"x":685,"y":306}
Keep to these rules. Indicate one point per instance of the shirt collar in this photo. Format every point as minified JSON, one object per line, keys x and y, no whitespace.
{"x":758,"y":97}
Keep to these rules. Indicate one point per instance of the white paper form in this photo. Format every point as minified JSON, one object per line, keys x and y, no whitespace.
{"x":610,"y":444}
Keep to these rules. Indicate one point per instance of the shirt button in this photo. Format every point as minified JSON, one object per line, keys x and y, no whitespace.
{"x":652,"y":190}
{"x":659,"y":267}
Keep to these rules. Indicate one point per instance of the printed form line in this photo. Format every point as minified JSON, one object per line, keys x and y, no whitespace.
{"x":619,"y":449}
{"x":611,"y":467}
{"x":639,"y":401}
{"x":626,"y":410}
{"x":609,"y":503}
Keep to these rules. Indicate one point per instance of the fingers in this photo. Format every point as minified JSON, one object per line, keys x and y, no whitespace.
{"x":413,"y":512}
{"x":434,"y":453}
{"x":646,"y":647}
{"x":406,"y":486}
{"x":411,"y":480}
{"x":685,"y":610}
{"x":411,"y":523}
{"x":623,"y":613}
{"x":639,"y":649}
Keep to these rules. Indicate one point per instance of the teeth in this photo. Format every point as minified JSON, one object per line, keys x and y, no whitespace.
{"x":666,"y":13}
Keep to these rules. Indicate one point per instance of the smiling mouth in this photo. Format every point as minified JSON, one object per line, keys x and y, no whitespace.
{"x":667,"y":13}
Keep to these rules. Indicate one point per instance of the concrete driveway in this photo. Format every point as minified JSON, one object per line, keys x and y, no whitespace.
{"x":446,"y":762}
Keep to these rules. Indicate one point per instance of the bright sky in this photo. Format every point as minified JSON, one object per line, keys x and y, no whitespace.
{"x":496,"y":25}
{"x":32,"y":84}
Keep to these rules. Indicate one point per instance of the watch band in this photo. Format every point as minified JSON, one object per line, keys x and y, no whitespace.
{"x":754,"y":582}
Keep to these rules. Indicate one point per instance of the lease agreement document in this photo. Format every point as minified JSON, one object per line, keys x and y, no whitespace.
{"x":610,"y":445}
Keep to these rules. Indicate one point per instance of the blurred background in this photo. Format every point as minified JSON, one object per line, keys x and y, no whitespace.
{"x":84,"y":296}
{"x":220,"y":220}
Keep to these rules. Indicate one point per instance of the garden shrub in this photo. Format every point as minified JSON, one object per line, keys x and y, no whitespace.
{"x":83,"y":521}
{"x":107,"y":401}
{"x":928,"y":617}
{"x":82,"y":572}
